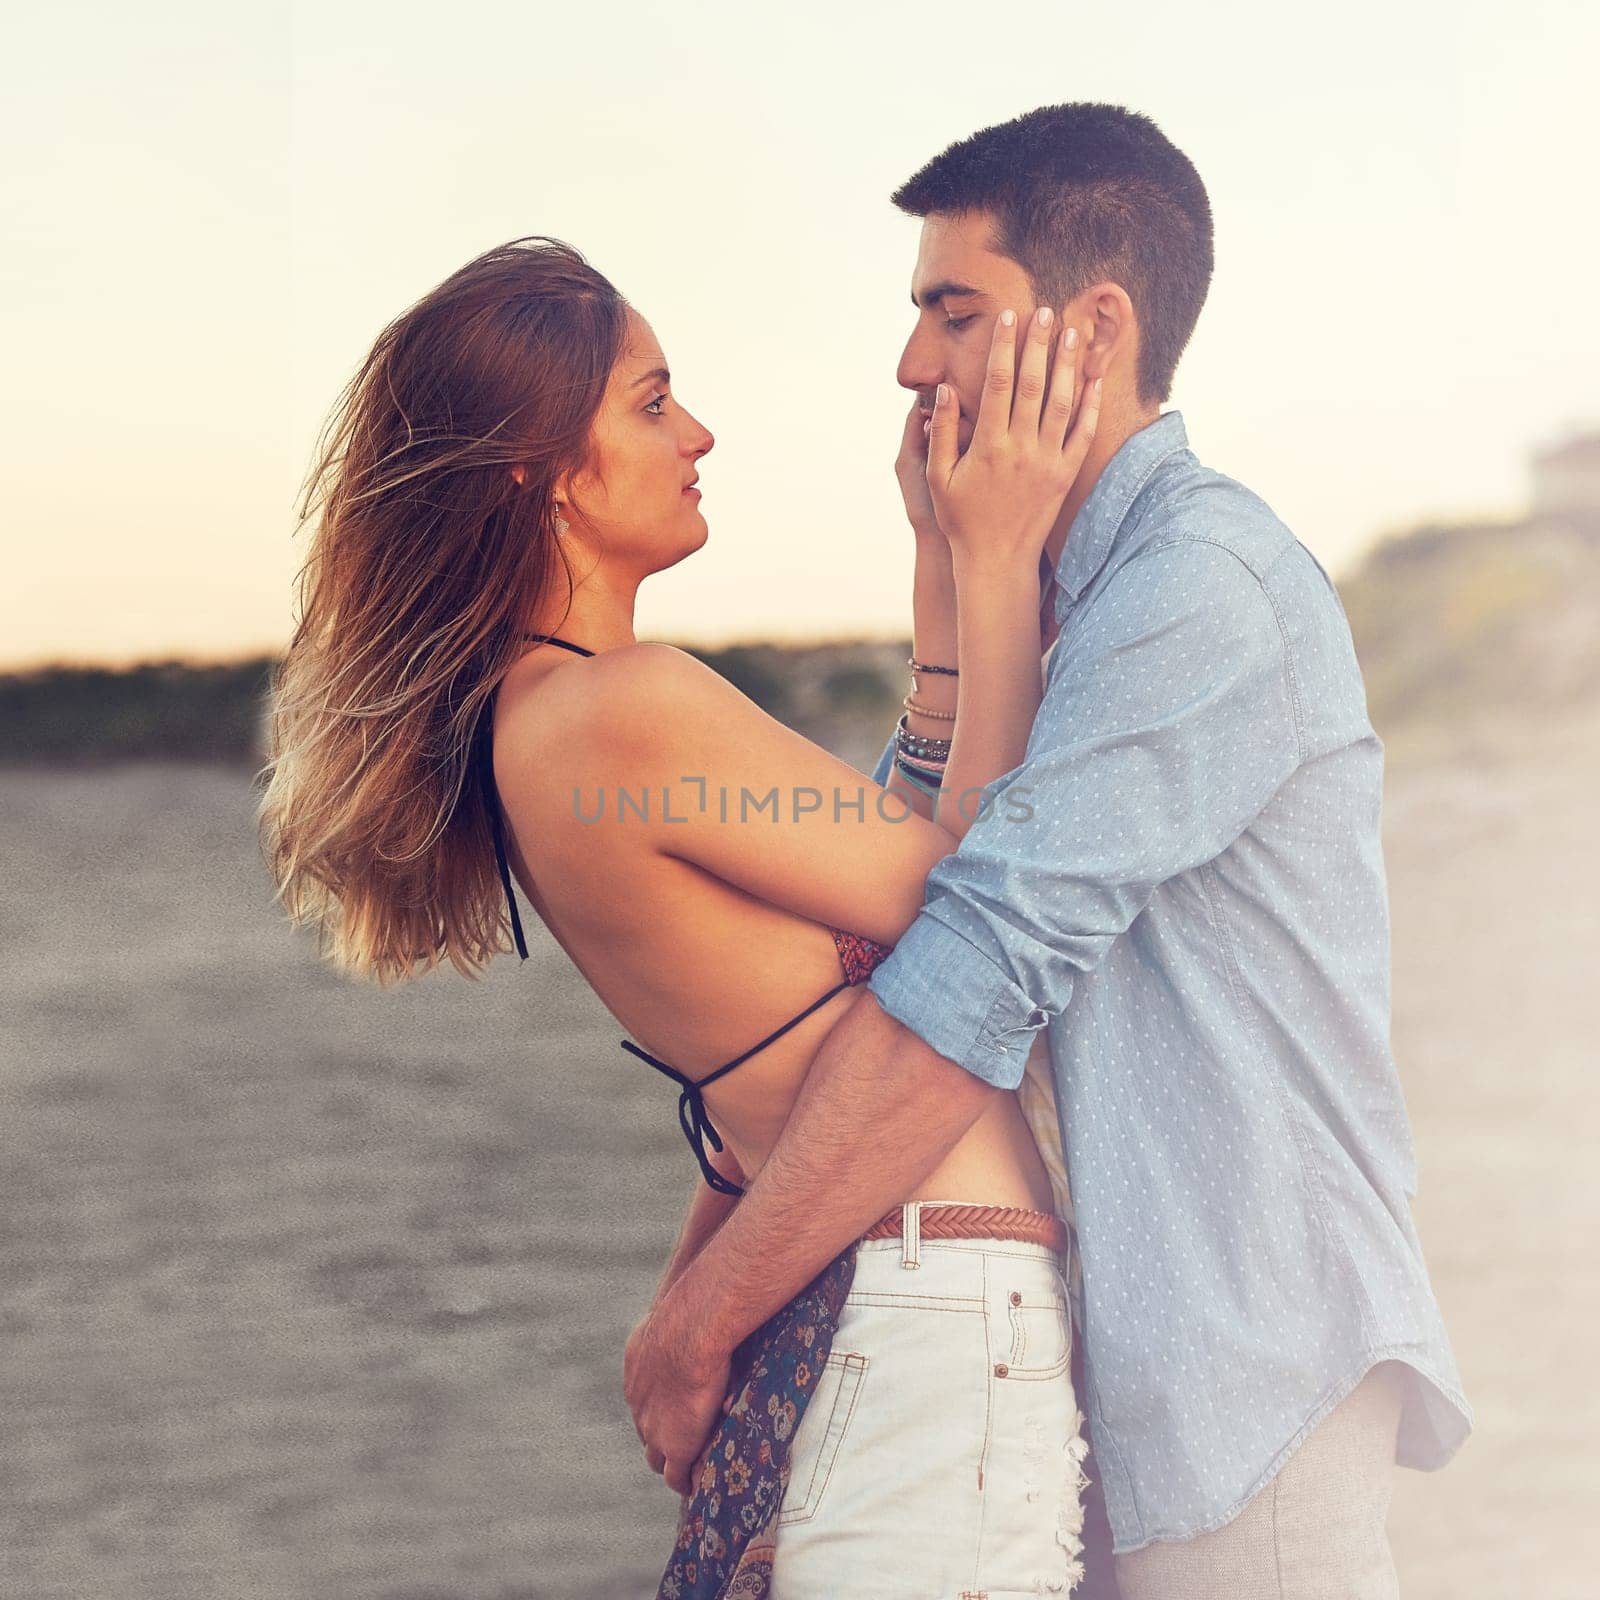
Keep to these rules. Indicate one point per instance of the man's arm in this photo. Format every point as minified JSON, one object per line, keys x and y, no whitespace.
{"x":1169,"y":724}
{"x":708,"y":1210}
{"x":832,"y":1174}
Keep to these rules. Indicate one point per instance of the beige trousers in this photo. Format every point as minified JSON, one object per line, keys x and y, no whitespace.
{"x":1316,"y":1531}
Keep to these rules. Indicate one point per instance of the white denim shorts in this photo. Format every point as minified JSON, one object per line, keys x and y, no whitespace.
{"x":939,"y":1456}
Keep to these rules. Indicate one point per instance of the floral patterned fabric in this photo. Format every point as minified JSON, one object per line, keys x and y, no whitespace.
{"x":725,"y":1542}
{"x":726,"y":1534}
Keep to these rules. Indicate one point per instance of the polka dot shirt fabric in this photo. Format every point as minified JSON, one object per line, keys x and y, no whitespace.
{"x":1182,"y":885}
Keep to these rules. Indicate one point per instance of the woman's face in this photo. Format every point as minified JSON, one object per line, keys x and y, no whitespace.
{"x":635,"y":498}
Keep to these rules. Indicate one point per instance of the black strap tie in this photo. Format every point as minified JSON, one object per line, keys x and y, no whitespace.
{"x":692,"y":1115}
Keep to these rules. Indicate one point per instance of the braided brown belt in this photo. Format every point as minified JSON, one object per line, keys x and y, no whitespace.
{"x":978,"y":1222}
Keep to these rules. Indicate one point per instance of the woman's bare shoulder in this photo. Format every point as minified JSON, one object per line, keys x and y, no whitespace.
{"x":619,"y":686}
{"x":623,"y":701}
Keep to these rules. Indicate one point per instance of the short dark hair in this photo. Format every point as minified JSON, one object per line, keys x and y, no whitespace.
{"x":1082,"y":192}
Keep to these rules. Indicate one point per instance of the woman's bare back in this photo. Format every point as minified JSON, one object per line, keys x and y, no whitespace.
{"x":695,"y":968}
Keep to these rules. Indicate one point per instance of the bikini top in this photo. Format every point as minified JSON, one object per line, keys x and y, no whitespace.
{"x":858,"y":956}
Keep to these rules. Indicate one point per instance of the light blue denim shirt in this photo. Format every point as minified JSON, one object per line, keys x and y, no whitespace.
{"x":1184,"y":883}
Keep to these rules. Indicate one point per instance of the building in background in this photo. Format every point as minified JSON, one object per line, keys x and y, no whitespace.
{"x":1566,"y":482}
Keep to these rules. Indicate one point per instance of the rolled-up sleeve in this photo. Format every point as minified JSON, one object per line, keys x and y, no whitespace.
{"x":1169,"y":722}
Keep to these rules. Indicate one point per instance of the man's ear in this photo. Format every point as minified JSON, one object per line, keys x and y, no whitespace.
{"x":1114,"y":331}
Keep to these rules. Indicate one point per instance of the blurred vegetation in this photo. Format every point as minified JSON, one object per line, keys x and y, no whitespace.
{"x":749,"y":670}
{"x":843,"y":695}
{"x":1452,"y":625}
{"x":857,"y":686}
{"x":1455,"y":626}
{"x":160,"y":709}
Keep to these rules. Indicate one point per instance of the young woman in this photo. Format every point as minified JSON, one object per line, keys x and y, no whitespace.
{"x":464,"y":699}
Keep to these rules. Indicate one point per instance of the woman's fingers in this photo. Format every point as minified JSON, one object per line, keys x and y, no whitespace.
{"x":914,"y":435}
{"x":994,"y":409}
{"x":911,"y":472}
{"x":1031,"y":377}
{"x":1035,"y":426}
{"x":942,"y":431}
{"x":1063,"y":390}
{"x":1082,"y":435}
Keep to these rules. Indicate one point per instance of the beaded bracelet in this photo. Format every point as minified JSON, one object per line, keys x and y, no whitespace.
{"x":924,"y":758}
{"x":919,"y":744}
{"x":926,"y":711}
{"x":924,"y":752}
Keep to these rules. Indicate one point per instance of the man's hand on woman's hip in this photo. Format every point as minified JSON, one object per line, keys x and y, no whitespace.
{"x":676,"y":1389}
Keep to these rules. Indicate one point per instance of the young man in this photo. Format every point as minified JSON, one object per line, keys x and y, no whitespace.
{"x":1186,"y":890}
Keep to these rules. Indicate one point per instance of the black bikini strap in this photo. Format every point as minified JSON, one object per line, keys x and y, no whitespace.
{"x":491,"y":795}
{"x":550,"y":638}
{"x":693,"y":1119}
{"x":491,"y":799}
{"x":711,"y":1077}
{"x":658,"y":1064}
{"x":777,"y":1033}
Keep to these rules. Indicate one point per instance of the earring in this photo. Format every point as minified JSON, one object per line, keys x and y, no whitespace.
{"x":561,"y":524}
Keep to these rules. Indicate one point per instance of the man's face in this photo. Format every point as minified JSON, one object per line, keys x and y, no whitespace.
{"x":960,"y":286}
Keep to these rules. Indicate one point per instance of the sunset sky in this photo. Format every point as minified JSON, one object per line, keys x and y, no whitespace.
{"x":213,"y":215}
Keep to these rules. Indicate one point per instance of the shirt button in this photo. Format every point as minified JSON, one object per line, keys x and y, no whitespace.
{"x":1001,"y":1369}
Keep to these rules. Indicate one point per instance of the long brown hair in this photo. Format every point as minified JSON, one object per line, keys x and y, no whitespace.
{"x":426,"y":559}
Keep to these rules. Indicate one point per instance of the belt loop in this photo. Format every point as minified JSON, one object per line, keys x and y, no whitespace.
{"x":911,"y":1234}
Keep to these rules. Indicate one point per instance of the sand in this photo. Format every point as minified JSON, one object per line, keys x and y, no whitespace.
{"x":316,"y":1290}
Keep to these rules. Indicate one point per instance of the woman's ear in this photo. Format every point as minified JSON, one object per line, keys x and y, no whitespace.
{"x":520,"y":474}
